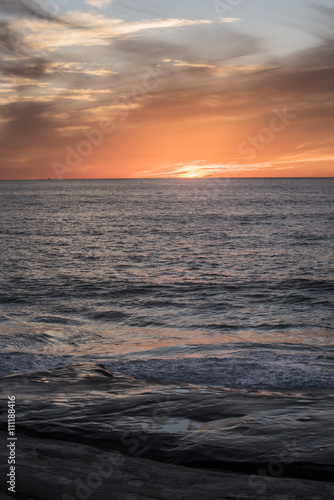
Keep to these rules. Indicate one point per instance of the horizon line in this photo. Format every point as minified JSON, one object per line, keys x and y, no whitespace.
{"x":167,"y":178}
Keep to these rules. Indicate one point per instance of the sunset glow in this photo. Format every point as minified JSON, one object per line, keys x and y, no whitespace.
{"x":192,"y":173}
{"x":102,"y":89}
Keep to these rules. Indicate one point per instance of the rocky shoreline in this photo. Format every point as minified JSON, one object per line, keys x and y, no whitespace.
{"x":85,"y":433}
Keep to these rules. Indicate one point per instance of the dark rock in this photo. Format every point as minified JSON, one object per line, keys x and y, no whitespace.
{"x":261,"y":445}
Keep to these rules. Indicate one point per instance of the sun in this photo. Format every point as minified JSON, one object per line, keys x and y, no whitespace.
{"x":192,"y":173}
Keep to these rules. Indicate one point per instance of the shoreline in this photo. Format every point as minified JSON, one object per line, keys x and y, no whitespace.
{"x":261,"y":444}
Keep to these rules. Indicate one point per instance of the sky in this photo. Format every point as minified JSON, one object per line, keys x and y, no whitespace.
{"x":149,"y":88}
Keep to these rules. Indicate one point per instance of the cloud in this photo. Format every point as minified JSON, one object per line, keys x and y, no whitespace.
{"x":98,"y":3}
{"x":10,"y":39}
{"x":96,"y":30}
{"x":230,"y":19}
{"x":202,"y":46}
{"x":178,"y":62}
{"x":111,"y":27}
{"x":28,"y":134}
{"x":23,"y":20}
{"x":213,"y":92}
{"x":22,"y":8}
{"x":33,"y":70}
{"x":201,"y":168}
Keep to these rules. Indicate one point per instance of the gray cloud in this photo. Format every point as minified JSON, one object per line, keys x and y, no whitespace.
{"x":32,"y":70}
{"x":26,"y":122}
{"x":22,"y":8}
{"x":207,"y":43}
{"x":10,"y":39}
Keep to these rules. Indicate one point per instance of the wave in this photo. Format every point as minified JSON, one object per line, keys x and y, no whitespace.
{"x":54,"y":320}
{"x":241,"y":368}
{"x":108,"y":315}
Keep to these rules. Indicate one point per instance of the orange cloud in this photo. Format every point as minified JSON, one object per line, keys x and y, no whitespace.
{"x":137,"y":104}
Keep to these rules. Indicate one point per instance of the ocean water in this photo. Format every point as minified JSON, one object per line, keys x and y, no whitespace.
{"x":221,"y":282}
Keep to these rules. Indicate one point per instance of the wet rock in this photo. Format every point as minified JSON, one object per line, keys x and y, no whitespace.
{"x":259,"y":445}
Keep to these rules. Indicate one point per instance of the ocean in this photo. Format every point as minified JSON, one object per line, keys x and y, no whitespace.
{"x":216,"y":282}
